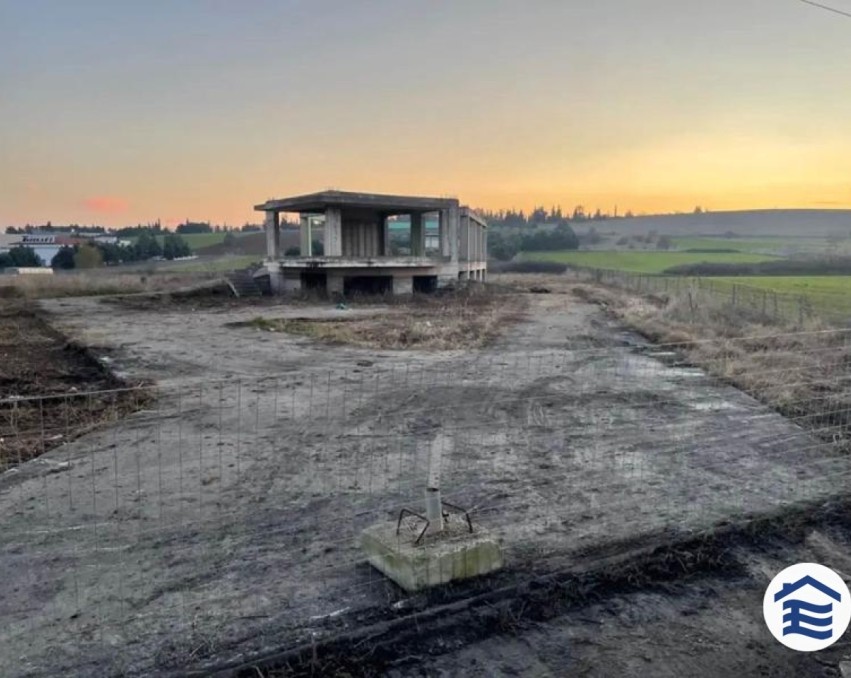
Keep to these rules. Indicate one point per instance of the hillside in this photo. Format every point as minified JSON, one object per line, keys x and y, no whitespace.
{"x":249,"y":244}
{"x":787,"y":223}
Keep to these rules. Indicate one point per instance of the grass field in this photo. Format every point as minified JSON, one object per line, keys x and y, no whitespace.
{"x":826,"y":292}
{"x":225,"y":263}
{"x":757,"y":245}
{"x":641,"y":262}
{"x":196,"y":240}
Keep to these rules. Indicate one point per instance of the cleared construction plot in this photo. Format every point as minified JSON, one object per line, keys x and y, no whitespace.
{"x":223,"y":520}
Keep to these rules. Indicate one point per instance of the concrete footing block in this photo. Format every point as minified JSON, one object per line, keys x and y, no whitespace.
{"x":440,"y":558}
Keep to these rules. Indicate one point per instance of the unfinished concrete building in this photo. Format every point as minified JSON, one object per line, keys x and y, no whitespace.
{"x":358,"y":251}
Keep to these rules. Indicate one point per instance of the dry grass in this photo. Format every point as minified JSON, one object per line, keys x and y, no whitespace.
{"x":89,"y":284}
{"x":462,"y":320}
{"x":802,"y":371}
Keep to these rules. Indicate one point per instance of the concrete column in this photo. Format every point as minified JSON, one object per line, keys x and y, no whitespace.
{"x":334,"y":284}
{"x":273,"y":236}
{"x":403,"y":285}
{"x":443,"y":231}
{"x":417,"y":235}
{"x":276,"y":277}
{"x":383,"y":236}
{"x":306,"y":247}
{"x":292,"y":284}
{"x":333,"y":232}
{"x":453,"y":221}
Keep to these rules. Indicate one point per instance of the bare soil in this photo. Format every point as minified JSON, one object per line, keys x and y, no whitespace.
{"x":688,"y":609}
{"x":466,"y":320}
{"x":37,"y":361}
{"x":224,"y":521}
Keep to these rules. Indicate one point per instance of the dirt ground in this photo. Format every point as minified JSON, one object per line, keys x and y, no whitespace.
{"x":705,"y":626}
{"x":36,"y":361}
{"x":224,"y":519}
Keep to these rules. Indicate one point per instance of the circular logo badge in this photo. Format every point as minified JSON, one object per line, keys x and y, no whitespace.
{"x":807,"y":607}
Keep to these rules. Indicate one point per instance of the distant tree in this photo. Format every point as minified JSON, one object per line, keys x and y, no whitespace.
{"x":174,"y":247}
{"x":5,"y":261}
{"x":194,"y":227}
{"x":502,"y":246}
{"x":87,"y":256}
{"x":664,"y":242}
{"x":64,"y":258}
{"x":562,"y":237}
{"x":146,"y":246}
{"x":229,"y":240}
{"x":628,"y":215}
{"x":112,"y":253}
{"x":538,"y":216}
{"x":698,"y":210}
{"x":579,"y":213}
{"x":24,"y":257}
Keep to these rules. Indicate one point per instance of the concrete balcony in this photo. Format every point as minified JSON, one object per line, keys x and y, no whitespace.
{"x":348,"y":262}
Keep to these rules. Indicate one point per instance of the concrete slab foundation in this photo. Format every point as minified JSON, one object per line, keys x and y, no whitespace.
{"x":451,"y":555}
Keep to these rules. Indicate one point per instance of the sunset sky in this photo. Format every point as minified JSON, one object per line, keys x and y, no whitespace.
{"x":124,"y":112}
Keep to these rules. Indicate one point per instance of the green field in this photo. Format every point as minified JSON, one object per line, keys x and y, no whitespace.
{"x":196,"y":240}
{"x":205,"y":265}
{"x":826,"y":292}
{"x":758,"y":245}
{"x":641,"y":262}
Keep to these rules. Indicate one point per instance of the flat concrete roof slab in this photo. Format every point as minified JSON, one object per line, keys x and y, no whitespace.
{"x":318,"y":202}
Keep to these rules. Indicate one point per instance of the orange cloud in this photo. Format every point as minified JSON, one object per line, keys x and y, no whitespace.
{"x":106,"y":204}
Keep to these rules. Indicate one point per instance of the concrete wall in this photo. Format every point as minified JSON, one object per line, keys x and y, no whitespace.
{"x":361,"y":239}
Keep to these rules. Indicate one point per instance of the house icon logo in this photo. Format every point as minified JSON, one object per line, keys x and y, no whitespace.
{"x":807,"y":607}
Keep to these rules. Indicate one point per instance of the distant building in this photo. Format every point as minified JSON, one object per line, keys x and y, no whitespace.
{"x":8,"y":241}
{"x":441,"y":243}
{"x":47,"y":245}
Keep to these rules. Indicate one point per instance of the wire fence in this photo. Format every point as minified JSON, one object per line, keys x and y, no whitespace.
{"x":147,"y":529}
{"x":768,"y":305}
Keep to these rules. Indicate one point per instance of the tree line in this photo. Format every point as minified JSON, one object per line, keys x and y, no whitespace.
{"x":146,"y":246}
{"x":511,"y":218}
{"x":504,"y":245}
{"x":94,"y":254}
